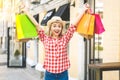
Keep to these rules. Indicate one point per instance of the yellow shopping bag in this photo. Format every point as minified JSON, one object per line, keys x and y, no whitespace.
{"x":85,"y":26}
{"x":19,"y":31}
{"x":25,"y":29}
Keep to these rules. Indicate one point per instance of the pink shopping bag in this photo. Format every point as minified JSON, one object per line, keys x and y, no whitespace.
{"x":99,"y":28}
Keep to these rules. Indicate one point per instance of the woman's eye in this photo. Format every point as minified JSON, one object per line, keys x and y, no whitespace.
{"x":54,"y":26}
{"x":59,"y":26}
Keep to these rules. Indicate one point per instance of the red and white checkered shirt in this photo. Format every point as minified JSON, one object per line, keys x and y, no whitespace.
{"x":56,"y":56}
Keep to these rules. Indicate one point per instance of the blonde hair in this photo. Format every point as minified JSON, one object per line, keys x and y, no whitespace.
{"x":50,"y":34}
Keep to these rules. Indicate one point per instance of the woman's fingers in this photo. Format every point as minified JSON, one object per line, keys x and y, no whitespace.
{"x":87,"y":5}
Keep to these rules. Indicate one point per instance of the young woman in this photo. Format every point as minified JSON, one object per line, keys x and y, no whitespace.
{"x":56,"y":61}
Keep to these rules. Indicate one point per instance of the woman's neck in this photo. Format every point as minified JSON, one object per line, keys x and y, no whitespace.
{"x":56,"y":37}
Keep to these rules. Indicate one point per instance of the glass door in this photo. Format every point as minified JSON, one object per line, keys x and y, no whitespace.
{"x":16,"y":50}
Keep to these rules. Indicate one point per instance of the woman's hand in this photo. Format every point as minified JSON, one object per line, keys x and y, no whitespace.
{"x":25,"y":10}
{"x":86,"y":7}
{"x":80,"y":13}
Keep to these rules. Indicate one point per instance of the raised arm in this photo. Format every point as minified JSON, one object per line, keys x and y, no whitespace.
{"x":80,"y":14}
{"x":33,"y":20}
{"x":24,"y":9}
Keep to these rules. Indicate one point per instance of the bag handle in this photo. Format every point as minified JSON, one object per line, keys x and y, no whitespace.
{"x":89,"y":11}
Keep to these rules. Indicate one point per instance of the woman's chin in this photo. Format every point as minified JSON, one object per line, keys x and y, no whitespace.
{"x":56,"y":34}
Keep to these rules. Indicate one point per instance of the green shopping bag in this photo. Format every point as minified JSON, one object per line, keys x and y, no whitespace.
{"x":25,"y":29}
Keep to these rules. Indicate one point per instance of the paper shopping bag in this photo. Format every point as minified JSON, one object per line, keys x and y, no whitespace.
{"x":99,"y":28}
{"x":91,"y":26}
{"x":25,"y":29}
{"x":85,"y":26}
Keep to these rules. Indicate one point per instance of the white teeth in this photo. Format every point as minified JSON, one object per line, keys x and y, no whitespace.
{"x":56,"y":31}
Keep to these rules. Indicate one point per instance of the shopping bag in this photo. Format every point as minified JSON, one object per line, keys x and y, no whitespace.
{"x":99,"y":28}
{"x":91,"y":26}
{"x":85,"y":26}
{"x":21,"y":40}
{"x":25,"y":29}
{"x":19,"y":32}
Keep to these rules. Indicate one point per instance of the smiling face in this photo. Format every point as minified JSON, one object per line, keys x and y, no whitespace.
{"x":56,"y":29}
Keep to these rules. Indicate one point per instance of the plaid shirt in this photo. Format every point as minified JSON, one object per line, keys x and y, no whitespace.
{"x":56,"y":56}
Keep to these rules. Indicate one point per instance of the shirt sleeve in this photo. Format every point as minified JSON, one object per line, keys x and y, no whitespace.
{"x":41,"y":35}
{"x":68,"y":35}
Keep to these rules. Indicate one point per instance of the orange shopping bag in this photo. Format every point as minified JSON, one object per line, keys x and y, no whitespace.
{"x":85,"y":26}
